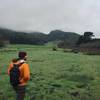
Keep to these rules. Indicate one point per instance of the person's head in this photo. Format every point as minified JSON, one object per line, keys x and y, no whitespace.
{"x":22,"y":55}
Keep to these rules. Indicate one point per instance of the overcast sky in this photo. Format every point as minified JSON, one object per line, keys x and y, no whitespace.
{"x":47,"y":15}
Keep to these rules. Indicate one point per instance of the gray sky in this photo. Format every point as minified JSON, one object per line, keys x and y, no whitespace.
{"x":47,"y":15}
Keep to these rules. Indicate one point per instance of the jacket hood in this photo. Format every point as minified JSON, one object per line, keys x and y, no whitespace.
{"x":18,"y":61}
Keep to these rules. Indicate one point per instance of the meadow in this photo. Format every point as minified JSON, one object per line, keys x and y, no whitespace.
{"x":55,"y":75}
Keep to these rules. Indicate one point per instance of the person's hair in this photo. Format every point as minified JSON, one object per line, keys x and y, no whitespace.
{"x":22,"y":55}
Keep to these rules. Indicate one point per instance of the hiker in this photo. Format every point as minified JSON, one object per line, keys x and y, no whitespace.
{"x":19,"y":75}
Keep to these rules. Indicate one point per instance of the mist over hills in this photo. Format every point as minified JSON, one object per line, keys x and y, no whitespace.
{"x":37,"y":38}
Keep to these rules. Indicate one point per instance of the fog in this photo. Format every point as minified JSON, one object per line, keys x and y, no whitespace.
{"x":46,"y":15}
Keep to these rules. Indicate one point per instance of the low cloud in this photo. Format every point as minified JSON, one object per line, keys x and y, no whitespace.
{"x":47,"y":15}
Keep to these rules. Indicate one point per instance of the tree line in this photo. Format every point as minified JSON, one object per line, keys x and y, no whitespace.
{"x":35,"y":38}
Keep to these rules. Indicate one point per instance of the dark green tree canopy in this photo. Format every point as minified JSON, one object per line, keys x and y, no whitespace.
{"x":85,"y":38}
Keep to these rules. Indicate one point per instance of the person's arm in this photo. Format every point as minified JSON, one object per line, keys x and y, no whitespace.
{"x":26,"y":73}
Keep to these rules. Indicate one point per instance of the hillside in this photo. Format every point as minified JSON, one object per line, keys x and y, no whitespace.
{"x":37,"y":38}
{"x":61,"y":35}
{"x":15,"y":37}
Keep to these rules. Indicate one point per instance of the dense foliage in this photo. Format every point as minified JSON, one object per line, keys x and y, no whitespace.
{"x":87,"y":37}
{"x":36,"y":38}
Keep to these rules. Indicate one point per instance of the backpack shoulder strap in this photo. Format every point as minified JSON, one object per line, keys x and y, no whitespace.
{"x":20,"y":64}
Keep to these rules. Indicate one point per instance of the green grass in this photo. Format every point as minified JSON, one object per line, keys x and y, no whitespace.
{"x":55,"y":75}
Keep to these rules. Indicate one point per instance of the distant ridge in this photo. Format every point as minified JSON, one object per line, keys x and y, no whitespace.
{"x":37,"y":38}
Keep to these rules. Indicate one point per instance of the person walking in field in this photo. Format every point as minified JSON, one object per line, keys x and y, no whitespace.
{"x":19,"y":73}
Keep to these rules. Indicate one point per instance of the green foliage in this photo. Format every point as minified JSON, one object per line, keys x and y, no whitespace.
{"x":37,"y":38}
{"x":68,"y":39}
{"x":61,"y":35}
{"x":87,"y":37}
{"x":3,"y":42}
{"x":54,"y":75}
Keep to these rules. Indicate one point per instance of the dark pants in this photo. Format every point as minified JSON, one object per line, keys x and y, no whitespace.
{"x":20,"y":91}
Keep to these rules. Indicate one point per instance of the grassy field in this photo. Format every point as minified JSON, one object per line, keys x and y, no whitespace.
{"x":55,"y":75}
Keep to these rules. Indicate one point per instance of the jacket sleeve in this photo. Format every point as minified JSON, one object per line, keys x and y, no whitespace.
{"x":26,"y":73}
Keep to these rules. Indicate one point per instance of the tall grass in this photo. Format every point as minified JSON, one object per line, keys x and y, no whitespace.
{"x":55,"y":75}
